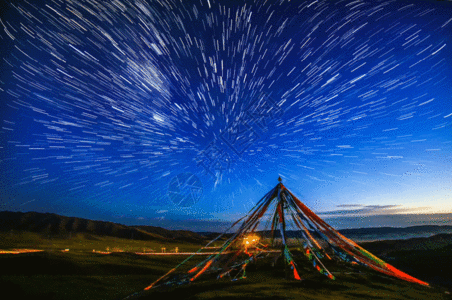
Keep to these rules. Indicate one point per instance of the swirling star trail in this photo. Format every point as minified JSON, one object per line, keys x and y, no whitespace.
{"x":105,"y":103}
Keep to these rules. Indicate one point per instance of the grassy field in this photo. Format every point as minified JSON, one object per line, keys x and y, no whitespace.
{"x":268,"y":285}
{"x":85,"y":242}
{"x":81,"y":274}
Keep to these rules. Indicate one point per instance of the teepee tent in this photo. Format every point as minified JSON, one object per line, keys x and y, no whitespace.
{"x":280,"y":208}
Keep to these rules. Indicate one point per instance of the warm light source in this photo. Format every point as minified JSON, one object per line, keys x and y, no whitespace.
{"x":251,"y":240}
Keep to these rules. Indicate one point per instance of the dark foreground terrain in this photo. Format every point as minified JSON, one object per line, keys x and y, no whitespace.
{"x":267,"y":285}
{"x":429,"y":259}
{"x":81,"y":274}
{"x":53,"y":274}
{"x":56,"y":275}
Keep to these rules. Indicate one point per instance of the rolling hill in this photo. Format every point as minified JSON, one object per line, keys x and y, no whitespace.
{"x":56,"y":226}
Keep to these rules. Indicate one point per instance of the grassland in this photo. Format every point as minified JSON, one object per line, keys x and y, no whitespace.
{"x":81,"y":274}
{"x":87,"y":242}
{"x":272,"y":285}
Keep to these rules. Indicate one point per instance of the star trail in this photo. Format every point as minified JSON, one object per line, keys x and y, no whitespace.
{"x":110,"y":109}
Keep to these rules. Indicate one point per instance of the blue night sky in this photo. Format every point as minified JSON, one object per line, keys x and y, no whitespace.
{"x":182,"y":114}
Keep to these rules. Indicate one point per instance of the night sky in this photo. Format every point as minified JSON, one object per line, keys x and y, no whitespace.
{"x":183,"y":114}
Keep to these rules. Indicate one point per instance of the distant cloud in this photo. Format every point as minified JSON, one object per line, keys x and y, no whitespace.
{"x":369,"y":210}
{"x":392,"y":220}
{"x":381,"y":206}
{"x":342,"y":212}
{"x":162,"y":211}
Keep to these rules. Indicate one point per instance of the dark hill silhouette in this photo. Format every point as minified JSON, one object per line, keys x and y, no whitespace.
{"x":179,"y":235}
{"x":53,"y":225}
{"x":388,"y":247}
{"x":424,"y":229}
{"x":378,"y":233}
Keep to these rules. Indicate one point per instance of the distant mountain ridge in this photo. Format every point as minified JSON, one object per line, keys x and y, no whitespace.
{"x":434,"y":229}
{"x":372,"y":231}
{"x":53,"y":225}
